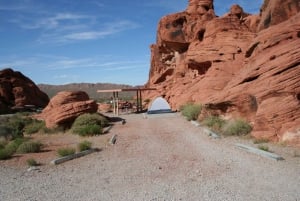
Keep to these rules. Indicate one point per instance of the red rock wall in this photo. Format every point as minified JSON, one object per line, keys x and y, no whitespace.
{"x":234,"y":63}
{"x":16,"y":90}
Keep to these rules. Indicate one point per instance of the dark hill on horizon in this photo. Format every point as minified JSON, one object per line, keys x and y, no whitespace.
{"x":89,"y":88}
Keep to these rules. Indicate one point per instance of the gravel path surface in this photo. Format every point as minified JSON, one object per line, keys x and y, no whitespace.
{"x":162,"y":157}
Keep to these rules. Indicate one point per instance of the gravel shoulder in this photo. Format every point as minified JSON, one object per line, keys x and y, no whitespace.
{"x":162,"y":157}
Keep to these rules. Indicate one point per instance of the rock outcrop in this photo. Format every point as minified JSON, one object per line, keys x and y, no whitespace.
{"x":65,"y":107}
{"x":17,"y":91}
{"x":236,"y":65}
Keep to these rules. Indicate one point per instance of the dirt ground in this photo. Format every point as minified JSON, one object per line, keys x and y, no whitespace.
{"x":160,"y":157}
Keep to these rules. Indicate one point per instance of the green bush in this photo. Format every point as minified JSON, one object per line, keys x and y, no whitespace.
{"x":260,"y":141}
{"x":31,"y":162}
{"x":65,"y":151}
{"x":237,"y":127}
{"x":14,"y":145}
{"x":5,"y":154}
{"x":264,"y":148}
{"x":89,"y":124}
{"x":191,"y":111}
{"x":3,"y":143}
{"x":17,"y":124}
{"x":85,"y":145}
{"x":30,"y":147}
{"x":216,"y":123}
{"x":34,"y":127}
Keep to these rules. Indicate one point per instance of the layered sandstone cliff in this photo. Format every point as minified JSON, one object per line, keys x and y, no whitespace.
{"x":238,"y":65}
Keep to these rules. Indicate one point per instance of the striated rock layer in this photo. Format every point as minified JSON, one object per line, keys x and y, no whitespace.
{"x":17,"y":91}
{"x":237,"y":65}
{"x":65,"y":107}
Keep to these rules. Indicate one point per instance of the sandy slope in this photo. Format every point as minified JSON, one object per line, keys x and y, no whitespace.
{"x":162,"y":157}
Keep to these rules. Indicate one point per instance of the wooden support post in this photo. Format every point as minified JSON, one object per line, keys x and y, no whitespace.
{"x":141,"y":103}
{"x":137,"y":101}
{"x":117,"y":93}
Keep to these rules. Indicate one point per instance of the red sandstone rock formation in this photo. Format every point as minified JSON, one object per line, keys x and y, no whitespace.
{"x":237,"y":65}
{"x":16,"y":90}
{"x":65,"y":107}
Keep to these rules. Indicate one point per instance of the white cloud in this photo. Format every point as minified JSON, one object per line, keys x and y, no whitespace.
{"x":112,"y":28}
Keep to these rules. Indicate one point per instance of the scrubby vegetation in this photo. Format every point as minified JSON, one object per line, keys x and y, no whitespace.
{"x":215,"y":123}
{"x":34,"y":126}
{"x":31,"y":162}
{"x":85,"y":145}
{"x":191,"y":111}
{"x":237,"y":127}
{"x":89,"y":124}
{"x":260,"y":141}
{"x":9,"y":148}
{"x":66,"y":151}
{"x":264,"y":148}
{"x":228,"y":128}
{"x":30,"y":147}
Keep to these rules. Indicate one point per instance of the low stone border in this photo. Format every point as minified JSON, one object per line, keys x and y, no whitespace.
{"x":207,"y":131}
{"x":72,"y":156}
{"x":259,"y":152}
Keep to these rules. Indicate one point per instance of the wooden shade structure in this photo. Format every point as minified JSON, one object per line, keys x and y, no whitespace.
{"x":139,"y":99}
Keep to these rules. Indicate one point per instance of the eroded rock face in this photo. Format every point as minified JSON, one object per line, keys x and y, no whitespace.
{"x":65,"y":107}
{"x":16,"y":90}
{"x":276,"y":11}
{"x":229,"y":66}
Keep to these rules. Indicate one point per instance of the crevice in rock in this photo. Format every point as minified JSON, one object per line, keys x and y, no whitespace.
{"x":163,"y":77}
{"x":179,"y":22}
{"x":174,"y":34}
{"x":222,"y":106}
{"x":250,"y":51}
{"x":288,"y":68}
{"x":201,"y":34}
{"x":267,"y":21}
{"x":298,"y":97}
{"x":272,"y":57}
{"x":250,"y":79}
{"x":298,"y":34}
{"x":201,"y":67}
{"x":205,"y":7}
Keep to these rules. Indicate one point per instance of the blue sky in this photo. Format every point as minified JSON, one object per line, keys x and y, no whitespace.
{"x":66,"y":41}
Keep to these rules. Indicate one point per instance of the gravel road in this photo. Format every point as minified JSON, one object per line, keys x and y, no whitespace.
{"x":162,"y":157}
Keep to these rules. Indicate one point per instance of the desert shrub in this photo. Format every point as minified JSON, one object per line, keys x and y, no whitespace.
{"x":85,"y":145}
{"x":34,"y":127}
{"x":10,"y":148}
{"x":65,"y":151}
{"x":14,"y":145}
{"x":2,"y":144}
{"x":30,"y":147}
{"x":31,"y":162}
{"x":5,"y":154}
{"x":260,"y":140}
{"x":264,"y":148}
{"x":89,"y":124}
{"x":191,"y":111}
{"x":237,"y":127}
{"x":216,"y":123}
{"x":17,"y":124}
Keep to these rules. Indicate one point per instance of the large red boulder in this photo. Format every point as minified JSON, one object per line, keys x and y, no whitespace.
{"x":17,"y":91}
{"x":232,"y":64}
{"x":65,"y":107}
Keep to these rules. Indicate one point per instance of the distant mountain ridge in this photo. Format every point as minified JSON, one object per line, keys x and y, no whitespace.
{"x":89,"y":88}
